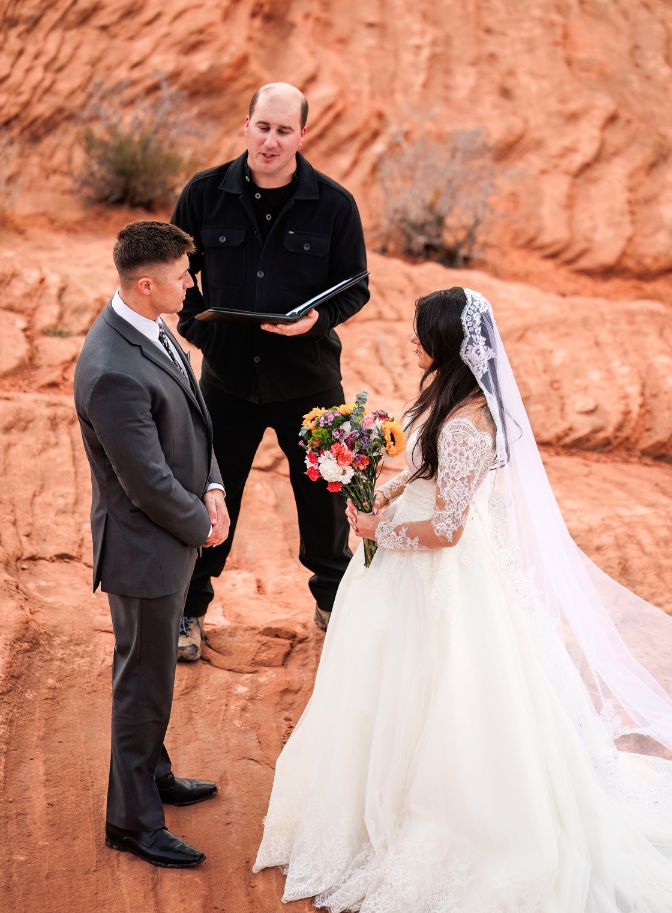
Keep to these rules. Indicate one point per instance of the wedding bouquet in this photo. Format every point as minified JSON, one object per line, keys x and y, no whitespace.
{"x":346,"y":447}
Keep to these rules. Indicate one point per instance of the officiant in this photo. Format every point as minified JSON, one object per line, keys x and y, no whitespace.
{"x":270,"y":233}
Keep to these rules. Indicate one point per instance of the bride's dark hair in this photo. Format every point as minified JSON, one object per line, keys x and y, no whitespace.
{"x":448,"y":382}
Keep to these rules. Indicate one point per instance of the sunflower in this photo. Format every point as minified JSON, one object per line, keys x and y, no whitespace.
{"x":309,"y":417}
{"x":346,"y":408}
{"x":395,"y":437}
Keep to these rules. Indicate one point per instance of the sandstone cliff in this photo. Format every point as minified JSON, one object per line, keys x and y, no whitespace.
{"x":574,"y":95}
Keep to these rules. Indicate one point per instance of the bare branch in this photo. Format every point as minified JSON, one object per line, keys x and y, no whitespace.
{"x":437,"y":197}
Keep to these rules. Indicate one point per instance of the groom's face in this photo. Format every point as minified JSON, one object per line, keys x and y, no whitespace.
{"x":167,"y":285}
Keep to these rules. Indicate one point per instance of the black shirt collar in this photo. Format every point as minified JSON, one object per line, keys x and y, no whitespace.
{"x":304,"y":187}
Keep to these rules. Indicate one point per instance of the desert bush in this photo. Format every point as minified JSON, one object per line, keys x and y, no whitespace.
{"x":437,"y":197}
{"x":134,"y":150}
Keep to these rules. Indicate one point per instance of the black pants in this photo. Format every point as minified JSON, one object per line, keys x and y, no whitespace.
{"x":239,"y":426}
{"x":143,"y":676}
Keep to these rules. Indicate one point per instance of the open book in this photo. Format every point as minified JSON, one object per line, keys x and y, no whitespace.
{"x":232,"y":316}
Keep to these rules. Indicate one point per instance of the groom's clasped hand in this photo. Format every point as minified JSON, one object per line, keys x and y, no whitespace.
{"x":219,"y":517}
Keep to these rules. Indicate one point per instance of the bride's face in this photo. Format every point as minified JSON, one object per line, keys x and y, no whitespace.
{"x":424,"y":361}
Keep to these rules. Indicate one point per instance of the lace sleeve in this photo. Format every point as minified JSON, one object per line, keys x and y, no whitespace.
{"x":465,"y":456}
{"x":395,"y":486}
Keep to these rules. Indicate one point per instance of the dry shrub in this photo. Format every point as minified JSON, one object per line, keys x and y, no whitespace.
{"x":437,"y":197}
{"x":134,"y":150}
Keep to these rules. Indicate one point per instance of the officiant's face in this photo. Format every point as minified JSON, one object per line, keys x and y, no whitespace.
{"x":274,"y":134}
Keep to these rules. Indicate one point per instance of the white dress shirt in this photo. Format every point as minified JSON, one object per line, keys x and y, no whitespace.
{"x":150,"y":329}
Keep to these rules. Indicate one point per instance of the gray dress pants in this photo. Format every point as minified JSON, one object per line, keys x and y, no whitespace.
{"x":143,"y":677}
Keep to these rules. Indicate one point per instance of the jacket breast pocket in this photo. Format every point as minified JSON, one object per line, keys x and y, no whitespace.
{"x":224,"y":256}
{"x":305,"y":261}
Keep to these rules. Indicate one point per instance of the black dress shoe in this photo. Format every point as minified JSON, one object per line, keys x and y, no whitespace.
{"x":181,"y":791}
{"x":158,"y":847}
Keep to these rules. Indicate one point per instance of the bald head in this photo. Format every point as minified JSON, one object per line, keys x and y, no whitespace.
{"x":284,"y":93}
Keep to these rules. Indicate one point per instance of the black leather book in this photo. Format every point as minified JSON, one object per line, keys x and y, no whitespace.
{"x":232,"y":316}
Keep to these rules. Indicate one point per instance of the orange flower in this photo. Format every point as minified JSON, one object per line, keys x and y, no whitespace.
{"x":346,"y":408}
{"x":395,"y":437}
{"x":309,"y":417}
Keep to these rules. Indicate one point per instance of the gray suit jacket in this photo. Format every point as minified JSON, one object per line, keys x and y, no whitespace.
{"x":148,"y":437}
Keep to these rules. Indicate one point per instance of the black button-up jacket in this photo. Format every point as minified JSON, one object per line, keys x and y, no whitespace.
{"x":316,"y":241}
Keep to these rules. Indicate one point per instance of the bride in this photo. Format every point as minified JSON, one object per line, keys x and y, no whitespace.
{"x":458,"y":754}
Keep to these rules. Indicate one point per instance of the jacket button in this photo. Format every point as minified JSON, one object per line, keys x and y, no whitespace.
{"x":222,"y":238}
{"x":256,"y":359}
{"x":306,"y":246}
{"x":260,"y":274}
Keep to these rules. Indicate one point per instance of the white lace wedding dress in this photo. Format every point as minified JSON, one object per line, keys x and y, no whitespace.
{"x":435,"y":769}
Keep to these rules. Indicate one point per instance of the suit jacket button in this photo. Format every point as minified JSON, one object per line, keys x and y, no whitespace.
{"x":260,"y":274}
{"x":256,"y":359}
{"x":306,"y":246}
{"x":222,"y":238}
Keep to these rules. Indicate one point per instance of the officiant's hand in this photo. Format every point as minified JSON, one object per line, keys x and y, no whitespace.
{"x":219,"y":517}
{"x":307,"y":322}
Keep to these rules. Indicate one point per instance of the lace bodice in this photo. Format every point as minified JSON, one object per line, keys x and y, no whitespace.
{"x":466,"y":453}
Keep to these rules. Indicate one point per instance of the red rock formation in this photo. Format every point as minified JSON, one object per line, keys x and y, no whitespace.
{"x":575,"y":97}
{"x":233,"y":712}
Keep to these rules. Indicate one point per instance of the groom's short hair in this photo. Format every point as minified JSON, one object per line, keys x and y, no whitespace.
{"x":144,"y":244}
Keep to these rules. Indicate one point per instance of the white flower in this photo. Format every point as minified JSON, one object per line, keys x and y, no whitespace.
{"x":347,"y":427}
{"x":332,"y":472}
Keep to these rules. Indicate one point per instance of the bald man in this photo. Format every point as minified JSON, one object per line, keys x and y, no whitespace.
{"x":270,"y":232}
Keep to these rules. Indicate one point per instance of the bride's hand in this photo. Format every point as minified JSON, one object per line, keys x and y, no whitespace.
{"x":363,"y":525}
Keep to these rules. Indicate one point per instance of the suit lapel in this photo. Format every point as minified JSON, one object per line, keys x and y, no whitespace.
{"x":186,"y":361}
{"x":150,"y":351}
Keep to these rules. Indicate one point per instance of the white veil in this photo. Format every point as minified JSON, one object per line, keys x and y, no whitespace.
{"x":614,"y":637}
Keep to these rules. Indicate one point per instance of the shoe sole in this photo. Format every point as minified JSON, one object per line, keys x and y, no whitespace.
{"x":191,"y":801}
{"x":161,"y":865}
{"x":182,"y":658}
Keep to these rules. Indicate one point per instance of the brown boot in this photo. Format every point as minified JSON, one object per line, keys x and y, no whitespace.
{"x":190,"y":640}
{"x":321,"y":618}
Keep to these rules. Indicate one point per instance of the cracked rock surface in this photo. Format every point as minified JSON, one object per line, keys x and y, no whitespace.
{"x":595,"y":376}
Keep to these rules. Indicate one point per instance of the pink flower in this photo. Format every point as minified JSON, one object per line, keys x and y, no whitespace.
{"x":333,"y":486}
{"x":312,"y":456}
{"x":313,"y":473}
{"x":369,"y":421}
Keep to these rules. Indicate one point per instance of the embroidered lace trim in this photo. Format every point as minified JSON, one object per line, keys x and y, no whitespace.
{"x":388,"y":537}
{"x":465,"y":456}
{"x":475,"y":351}
{"x":396,"y":485}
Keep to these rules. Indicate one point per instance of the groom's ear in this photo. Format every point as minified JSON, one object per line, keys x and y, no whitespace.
{"x":145,"y":285}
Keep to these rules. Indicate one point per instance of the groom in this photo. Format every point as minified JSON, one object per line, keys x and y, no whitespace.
{"x":157,"y":499}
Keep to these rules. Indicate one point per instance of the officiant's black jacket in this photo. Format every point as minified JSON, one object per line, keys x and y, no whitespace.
{"x":315,"y":242}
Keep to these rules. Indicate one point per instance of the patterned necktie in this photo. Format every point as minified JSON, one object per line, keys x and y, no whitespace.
{"x":163,"y":339}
